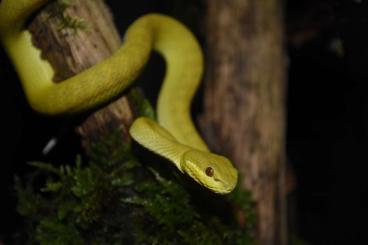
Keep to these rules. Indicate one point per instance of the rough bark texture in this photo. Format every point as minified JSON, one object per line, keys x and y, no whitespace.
{"x":75,"y":37}
{"x":244,"y":102}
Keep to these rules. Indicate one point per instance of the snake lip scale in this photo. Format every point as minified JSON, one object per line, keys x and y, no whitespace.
{"x":174,"y":136}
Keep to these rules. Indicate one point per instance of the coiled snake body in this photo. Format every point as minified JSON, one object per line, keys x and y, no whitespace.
{"x":175,"y":137}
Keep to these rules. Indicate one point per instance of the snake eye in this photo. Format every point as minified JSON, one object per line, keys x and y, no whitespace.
{"x":210,"y":171}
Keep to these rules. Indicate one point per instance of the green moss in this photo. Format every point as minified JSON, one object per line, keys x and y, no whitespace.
{"x":65,"y":21}
{"x":115,"y":198}
{"x":141,"y":104}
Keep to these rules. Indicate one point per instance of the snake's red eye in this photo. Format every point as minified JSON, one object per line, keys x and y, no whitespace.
{"x":210,"y":171}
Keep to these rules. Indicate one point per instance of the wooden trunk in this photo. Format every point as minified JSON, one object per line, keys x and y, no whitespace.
{"x":244,"y":115}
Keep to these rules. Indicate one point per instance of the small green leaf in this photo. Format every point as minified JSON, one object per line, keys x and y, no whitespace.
{"x":52,"y":187}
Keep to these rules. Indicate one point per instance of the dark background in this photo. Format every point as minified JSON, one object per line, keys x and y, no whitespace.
{"x":327,"y":124}
{"x":327,"y":139}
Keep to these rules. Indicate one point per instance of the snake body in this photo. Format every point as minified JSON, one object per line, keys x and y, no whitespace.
{"x":174,"y":136}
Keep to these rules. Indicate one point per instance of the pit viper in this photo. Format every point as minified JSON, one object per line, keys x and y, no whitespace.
{"x":174,"y":136}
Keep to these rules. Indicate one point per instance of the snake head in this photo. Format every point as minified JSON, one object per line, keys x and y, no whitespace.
{"x":210,"y":170}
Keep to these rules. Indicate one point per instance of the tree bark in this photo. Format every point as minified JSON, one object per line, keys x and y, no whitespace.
{"x":73,"y":37}
{"x":244,"y":115}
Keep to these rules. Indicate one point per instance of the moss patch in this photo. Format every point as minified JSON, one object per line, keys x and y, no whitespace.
{"x":115,"y":198}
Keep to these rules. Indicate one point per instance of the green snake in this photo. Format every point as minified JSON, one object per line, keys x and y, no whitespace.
{"x":174,"y":137}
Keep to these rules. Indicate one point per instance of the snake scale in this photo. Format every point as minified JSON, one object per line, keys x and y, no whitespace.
{"x":174,"y":137}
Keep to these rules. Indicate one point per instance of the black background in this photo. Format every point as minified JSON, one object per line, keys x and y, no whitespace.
{"x":327,"y":123}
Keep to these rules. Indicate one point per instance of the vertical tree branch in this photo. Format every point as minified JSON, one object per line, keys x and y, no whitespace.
{"x":244,"y":102}
{"x":73,"y":36}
